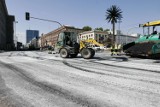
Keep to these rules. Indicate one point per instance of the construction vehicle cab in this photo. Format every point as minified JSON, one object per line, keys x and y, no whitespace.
{"x":68,"y":46}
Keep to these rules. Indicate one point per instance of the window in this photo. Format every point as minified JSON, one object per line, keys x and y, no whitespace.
{"x":87,"y":36}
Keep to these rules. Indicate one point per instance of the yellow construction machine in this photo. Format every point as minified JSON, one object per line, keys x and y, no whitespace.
{"x":68,"y":46}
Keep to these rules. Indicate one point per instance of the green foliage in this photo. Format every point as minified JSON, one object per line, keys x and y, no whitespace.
{"x":107,"y":41}
{"x":32,"y":47}
{"x":100,"y":28}
{"x":106,"y":30}
{"x":113,"y":14}
{"x":87,"y":28}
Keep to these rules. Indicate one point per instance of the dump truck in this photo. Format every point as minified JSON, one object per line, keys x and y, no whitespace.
{"x":69,"y":47}
{"x":147,"y":45}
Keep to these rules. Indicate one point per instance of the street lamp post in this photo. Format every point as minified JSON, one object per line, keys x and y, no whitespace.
{"x":119,"y":32}
{"x":15,"y":37}
{"x":129,"y":31}
{"x":119,"y":21}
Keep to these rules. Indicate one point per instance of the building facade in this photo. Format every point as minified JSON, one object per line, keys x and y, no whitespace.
{"x":124,"y":39}
{"x":99,"y":36}
{"x":6,"y":28}
{"x":30,"y":34}
{"x":50,"y":38}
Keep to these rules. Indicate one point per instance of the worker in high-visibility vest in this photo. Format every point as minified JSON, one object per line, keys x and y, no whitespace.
{"x":112,"y":50}
{"x":116,"y":49}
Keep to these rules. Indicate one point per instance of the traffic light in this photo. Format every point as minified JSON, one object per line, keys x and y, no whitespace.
{"x":27,"y":16}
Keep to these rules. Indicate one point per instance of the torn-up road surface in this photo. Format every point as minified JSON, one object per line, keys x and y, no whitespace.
{"x":37,"y":79}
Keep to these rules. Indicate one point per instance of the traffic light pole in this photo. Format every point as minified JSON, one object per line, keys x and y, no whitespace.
{"x":28,"y":18}
{"x":47,"y":20}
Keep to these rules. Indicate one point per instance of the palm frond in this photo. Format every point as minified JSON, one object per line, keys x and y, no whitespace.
{"x":113,"y":14}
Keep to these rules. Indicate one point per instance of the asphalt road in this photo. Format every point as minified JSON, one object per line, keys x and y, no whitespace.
{"x":38,"y":79}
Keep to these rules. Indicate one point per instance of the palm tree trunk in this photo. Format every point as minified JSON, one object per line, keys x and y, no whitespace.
{"x":113,"y":40}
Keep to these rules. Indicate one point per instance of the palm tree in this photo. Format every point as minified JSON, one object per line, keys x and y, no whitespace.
{"x":113,"y":14}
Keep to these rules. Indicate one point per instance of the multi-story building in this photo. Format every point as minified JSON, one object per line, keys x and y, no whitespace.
{"x":6,"y":28}
{"x":30,"y":34}
{"x":99,"y":36}
{"x":50,"y":38}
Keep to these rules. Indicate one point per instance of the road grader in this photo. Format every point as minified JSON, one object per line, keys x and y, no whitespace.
{"x":148,"y":45}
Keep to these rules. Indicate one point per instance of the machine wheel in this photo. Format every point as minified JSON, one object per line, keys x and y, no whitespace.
{"x":64,"y":53}
{"x":93,"y":52}
{"x":86,"y":53}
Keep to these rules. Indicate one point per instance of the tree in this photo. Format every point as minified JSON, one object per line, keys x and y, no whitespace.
{"x":106,"y":30}
{"x":107,"y":42}
{"x":100,"y":28}
{"x":87,"y":28}
{"x":113,"y":14}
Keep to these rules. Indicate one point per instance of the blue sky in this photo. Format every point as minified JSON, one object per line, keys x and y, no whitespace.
{"x":80,"y":13}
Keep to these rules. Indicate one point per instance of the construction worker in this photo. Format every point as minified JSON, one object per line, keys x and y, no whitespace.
{"x":112,"y":50}
{"x":116,"y":49}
